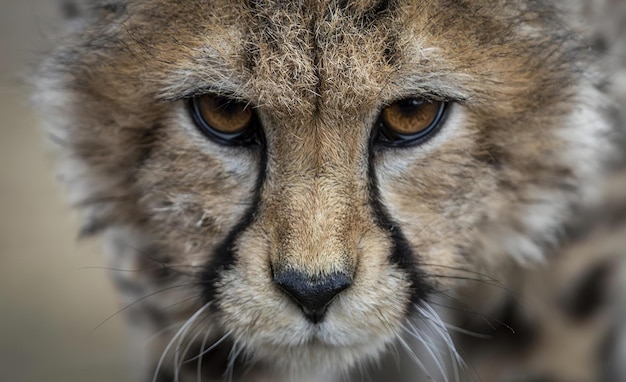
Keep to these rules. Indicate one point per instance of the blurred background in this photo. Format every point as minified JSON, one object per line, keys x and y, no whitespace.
{"x":52,"y":293}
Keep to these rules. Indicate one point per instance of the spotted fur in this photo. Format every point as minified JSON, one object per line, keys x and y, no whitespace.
{"x":455,"y":224}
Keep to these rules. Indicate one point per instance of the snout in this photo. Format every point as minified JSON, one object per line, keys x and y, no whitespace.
{"x":312,"y":294}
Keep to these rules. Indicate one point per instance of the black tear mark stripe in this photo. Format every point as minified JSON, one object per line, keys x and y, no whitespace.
{"x":401,"y":254}
{"x":223,"y":257}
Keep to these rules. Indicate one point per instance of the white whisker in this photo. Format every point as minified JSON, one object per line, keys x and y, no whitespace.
{"x":469,"y":332}
{"x":181,"y":339}
{"x":180,"y":361}
{"x":428,"y":346}
{"x":396,"y":356}
{"x":440,"y":328}
{"x":163,"y":331}
{"x":199,"y":356}
{"x":183,"y":329}
{"x":215,"y":344}
{"x":444,"y":333}
{"x":413,"y":356}
{"x":235,"y":351}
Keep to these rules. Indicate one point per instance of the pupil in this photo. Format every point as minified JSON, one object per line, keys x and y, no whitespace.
{"x":229,"y":107}
{"x":410,"y":106}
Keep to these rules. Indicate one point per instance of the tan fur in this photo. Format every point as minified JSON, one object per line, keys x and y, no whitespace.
{"x":522,"y":146}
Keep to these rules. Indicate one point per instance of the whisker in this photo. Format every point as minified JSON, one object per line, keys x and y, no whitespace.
{"x":484,"y":281}
{"x":428,"y":348}
{"x":179,"y":361}
{"x":162,"y":331}
{"x":483,"y":275}
{"x":232,"y":358}
{"x":396,"y":357}
{"x":199,"y":357}
{"x":181,"y":302}
{"x":163,"y":264}
{"x":434,"y":317}
{"x":215,"y":344}
{"x":180,"y":332}
{"x":468,"y":332}
{"x":465,"y":309}
{"x":413,"y":356}
{"x":140,"y":300}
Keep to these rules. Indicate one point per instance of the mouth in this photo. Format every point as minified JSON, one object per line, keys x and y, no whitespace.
{"x":213,"y":346}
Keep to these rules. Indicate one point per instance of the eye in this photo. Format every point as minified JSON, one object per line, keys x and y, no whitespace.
{"x":408,"y":120}
{"x":224,"y":120}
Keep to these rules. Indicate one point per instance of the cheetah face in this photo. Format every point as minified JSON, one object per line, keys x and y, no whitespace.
{"x":312,"y":176}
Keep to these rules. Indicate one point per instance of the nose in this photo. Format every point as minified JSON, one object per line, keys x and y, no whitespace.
{"x":312,"y":294}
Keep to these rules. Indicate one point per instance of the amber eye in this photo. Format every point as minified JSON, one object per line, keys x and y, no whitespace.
{"x":224,"y":120}
{"x":408,"y":120}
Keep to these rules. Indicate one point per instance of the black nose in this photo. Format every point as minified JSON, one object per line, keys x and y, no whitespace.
{"x":313,"y":294}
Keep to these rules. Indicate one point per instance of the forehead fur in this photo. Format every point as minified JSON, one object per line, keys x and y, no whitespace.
{"x":497,"y":55}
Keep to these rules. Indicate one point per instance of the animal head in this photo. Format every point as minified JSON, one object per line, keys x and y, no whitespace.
{"x":316,"y":171}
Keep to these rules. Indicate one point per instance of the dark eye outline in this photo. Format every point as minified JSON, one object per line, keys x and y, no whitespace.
{"x":388,"y":137}
{"x":250,"y":135}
